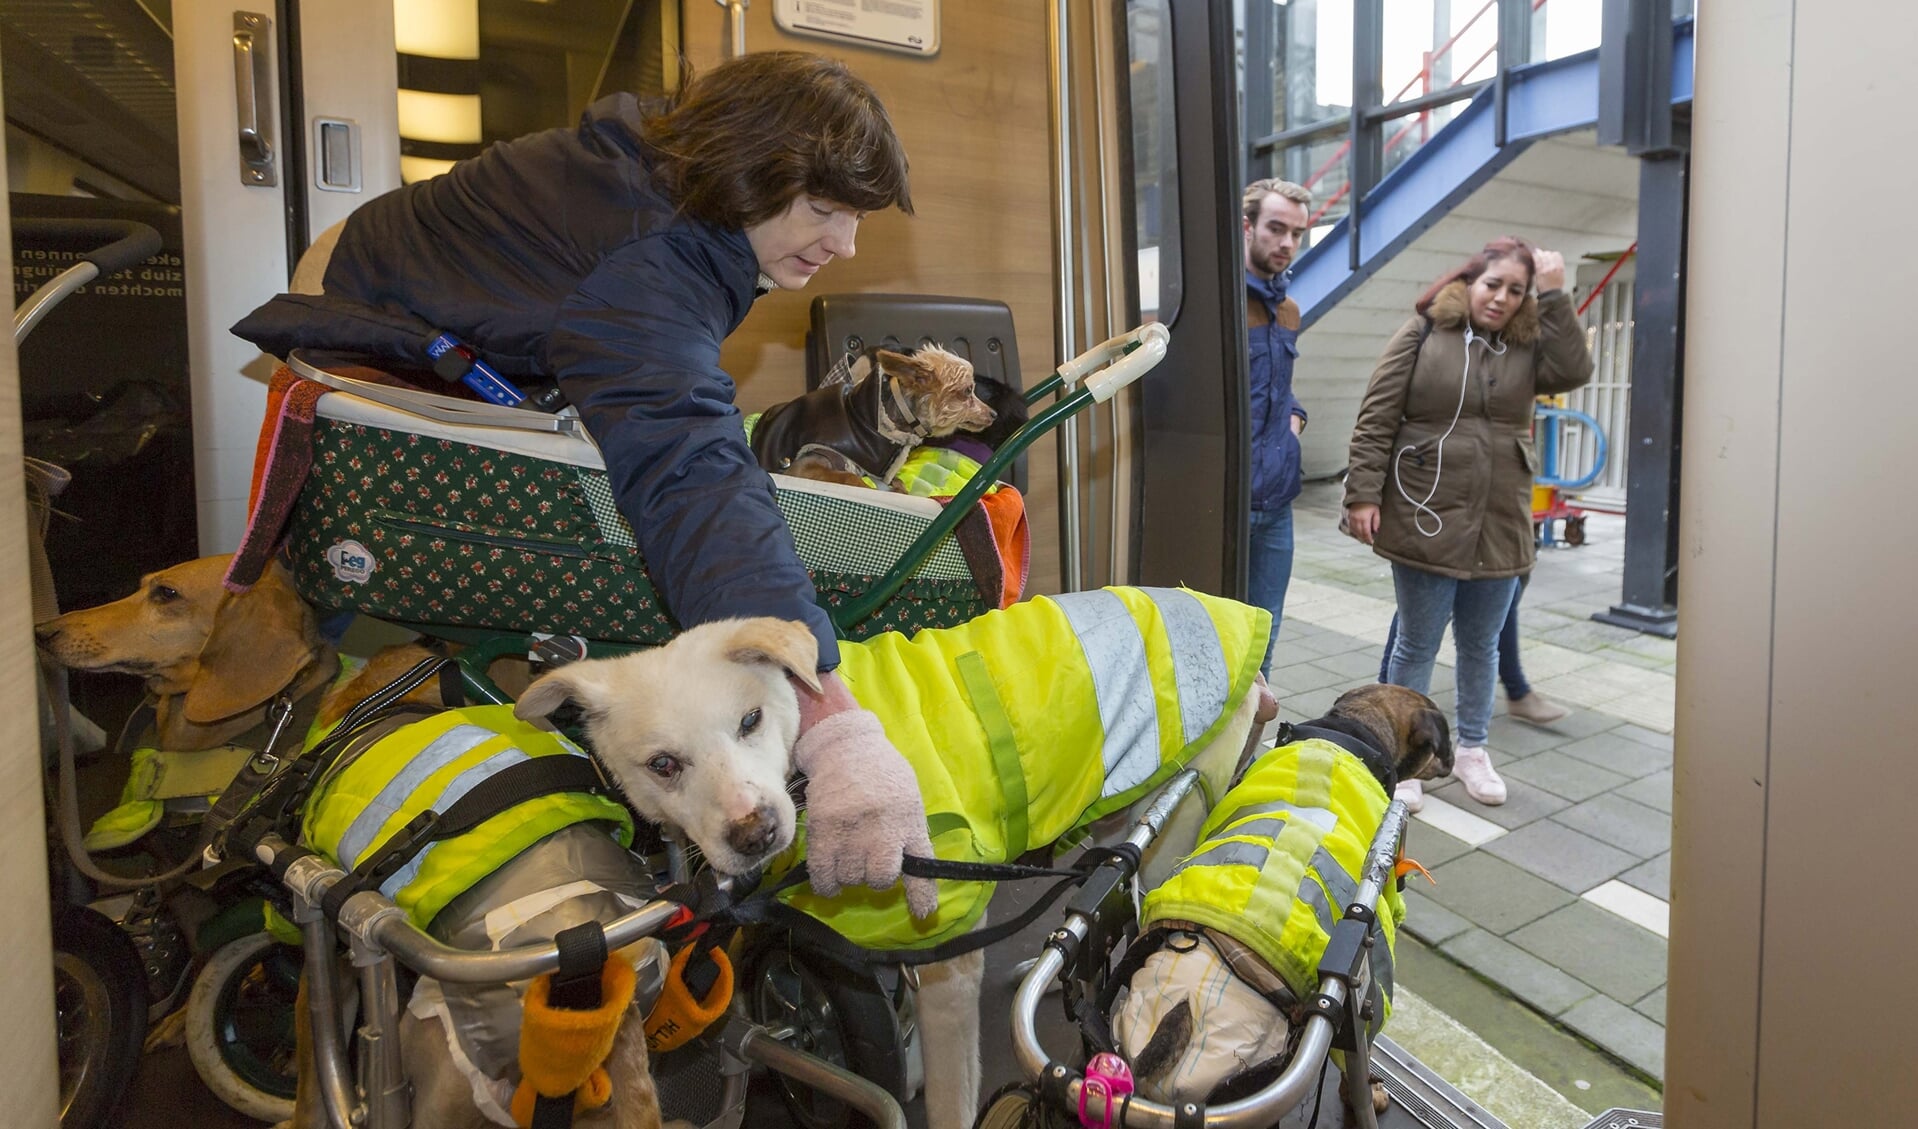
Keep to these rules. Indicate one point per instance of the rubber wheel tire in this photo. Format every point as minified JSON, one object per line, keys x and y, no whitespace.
{"x":100,"y":1003}
{"x":839,"y":1015}
{"x":1010,"y":1108}
{"x":240,"y":1025}
{"x":1574,"y":531}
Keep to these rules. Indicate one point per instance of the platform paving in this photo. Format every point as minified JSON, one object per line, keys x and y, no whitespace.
{"x":1559,"y":897}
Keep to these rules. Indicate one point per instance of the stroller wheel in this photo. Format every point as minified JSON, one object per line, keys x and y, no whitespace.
{"x":1017,"y":1107}
{"x":239,"y":1028}
{"x":100,"y":1001}
{"x":839,"y":1015}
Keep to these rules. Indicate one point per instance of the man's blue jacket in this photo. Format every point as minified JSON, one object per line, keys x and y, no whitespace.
{"x":1272,"y":344}
{"x":555,"y":255}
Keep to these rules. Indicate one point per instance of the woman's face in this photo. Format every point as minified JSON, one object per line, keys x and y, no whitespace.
{"x":810,"y":233}
{"x":1495,"y":297}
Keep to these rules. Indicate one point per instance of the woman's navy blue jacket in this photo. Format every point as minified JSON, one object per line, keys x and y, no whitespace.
{"x":554,"y":254}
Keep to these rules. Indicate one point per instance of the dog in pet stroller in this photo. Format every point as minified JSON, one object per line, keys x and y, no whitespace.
{"x":1024,"y":727}
{"x":1265,"y":939}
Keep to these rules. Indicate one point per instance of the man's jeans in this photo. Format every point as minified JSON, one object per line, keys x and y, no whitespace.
{"x":1271,"y":555}
{"x":1476,"y":610}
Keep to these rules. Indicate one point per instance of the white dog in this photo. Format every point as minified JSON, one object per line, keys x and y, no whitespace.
{"x":699,"y":736}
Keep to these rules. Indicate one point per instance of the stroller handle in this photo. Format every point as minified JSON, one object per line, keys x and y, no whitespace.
{"x":375,"y":920}
{"x":1113,"y":349}
{"x":1265,"y":1107}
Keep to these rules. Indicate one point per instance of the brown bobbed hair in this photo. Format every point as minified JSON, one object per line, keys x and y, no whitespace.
{"x":1504,"y":247}
{"x":740,"y":141}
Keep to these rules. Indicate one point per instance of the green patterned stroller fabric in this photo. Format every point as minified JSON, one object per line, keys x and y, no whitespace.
{"x":434,"y":531}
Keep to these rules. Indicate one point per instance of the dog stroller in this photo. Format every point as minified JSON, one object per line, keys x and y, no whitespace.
{"x":531,"y":559}
{"x":1099,"y":923}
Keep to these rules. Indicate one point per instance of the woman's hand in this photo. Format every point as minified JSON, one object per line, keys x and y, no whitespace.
{"x":1548,"y":270}
{"x":1362,"y":522}
{"x":863,"y":806}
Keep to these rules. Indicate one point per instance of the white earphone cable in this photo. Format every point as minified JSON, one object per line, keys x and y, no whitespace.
{"x":1420,"y":507}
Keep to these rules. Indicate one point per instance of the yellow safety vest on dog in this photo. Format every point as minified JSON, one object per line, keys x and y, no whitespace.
{"x":1027,"y":724}
{"x":431,"y":764}
{"x":1279,"y":859}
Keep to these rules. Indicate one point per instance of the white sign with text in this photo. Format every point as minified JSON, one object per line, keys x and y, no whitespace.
{"x":911,"y":26}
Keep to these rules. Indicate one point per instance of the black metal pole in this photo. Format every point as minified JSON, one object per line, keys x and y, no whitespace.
{"x":1260,"y":55}
{"x":1514,"y":49}
{"x":1649,"y":600}
{"x":1366,"y":157}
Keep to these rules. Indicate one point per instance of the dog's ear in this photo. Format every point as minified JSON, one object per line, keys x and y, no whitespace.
{"x":553,"y":692}
{"x":261,"y":640}
{"x":784,"y":643}
{"x":1430,"y":736}
{"x":914,"y":372}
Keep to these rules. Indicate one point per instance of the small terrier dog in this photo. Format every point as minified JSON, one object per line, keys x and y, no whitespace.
{"x":863,"y":420}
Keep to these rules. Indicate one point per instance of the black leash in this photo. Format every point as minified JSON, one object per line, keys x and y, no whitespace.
{"x":763,"y":907}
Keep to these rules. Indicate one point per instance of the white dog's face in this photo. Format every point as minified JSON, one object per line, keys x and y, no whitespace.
{"x":698,"y":734}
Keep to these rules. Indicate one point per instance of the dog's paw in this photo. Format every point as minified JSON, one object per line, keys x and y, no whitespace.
{"x":1381,"y":1101}
{"x":169,"y":1032}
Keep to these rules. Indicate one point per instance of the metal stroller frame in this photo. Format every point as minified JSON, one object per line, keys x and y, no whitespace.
{"x":1338,"y":1016}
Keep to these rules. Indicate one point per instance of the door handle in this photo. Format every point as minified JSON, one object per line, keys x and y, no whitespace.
{"x":253,"y":97}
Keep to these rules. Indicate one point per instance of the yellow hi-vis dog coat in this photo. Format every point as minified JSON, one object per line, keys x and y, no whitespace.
{"x":1278,"y":861}
{"x":1027,"y":724}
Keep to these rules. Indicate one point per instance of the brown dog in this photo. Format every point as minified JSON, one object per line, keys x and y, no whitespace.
{"x":213,"y":660}
{"x":1200,"y":1022}
{"x":863,"y":426}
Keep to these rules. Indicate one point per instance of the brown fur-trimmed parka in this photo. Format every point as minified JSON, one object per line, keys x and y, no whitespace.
{"x":1477,"y":523}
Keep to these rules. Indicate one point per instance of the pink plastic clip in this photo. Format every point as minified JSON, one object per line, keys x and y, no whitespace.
{"x":1107,"y":1078}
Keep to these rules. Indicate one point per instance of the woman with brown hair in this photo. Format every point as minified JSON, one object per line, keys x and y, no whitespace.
{"x":615,"y":258}
{"x":1442,"y":462}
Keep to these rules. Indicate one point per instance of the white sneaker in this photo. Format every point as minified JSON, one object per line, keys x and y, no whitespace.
{"x":1474,"y":769}
{"x":1413,"y":793}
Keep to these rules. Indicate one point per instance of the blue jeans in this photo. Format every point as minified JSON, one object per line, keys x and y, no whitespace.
{"x":1477,"y":610}
{"x":1510,"y":673}
{"x":1271,"y":556}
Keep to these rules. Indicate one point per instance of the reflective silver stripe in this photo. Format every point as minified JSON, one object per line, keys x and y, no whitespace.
{"x":1267,"y":828}
{"x":463,"y":783}
{"x":1312,"y":895}
{"x":1343,"y":888}
{"x":442,"y":751}
{"x":1381,"y":964}
{"x":1198,"y":659}
{"x":1322,"y":818}
{"x":1226,"y":854}
{"x":1122,"y":681}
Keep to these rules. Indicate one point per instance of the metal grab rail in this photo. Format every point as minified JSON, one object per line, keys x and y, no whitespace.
{"x":1300,"y":1076}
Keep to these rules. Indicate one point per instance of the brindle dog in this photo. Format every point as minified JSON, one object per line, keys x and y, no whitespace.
{"x":1194,"y":1051}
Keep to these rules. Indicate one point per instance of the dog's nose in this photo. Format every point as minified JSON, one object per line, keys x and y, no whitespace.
{"x":753,"y":835}
{"x":47,"y":632}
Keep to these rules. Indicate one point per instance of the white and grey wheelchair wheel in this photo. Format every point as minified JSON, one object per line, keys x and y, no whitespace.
{"x":240,"y":1025}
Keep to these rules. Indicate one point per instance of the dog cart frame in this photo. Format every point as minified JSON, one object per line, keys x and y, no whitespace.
{"x":1077,"y":953}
